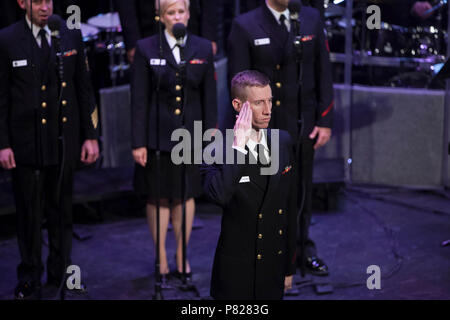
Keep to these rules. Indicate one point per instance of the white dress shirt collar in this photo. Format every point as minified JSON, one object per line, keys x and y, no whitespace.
{"x":172,"y":45}
{"x":277,"y":16}
{"x":36,"y":30}
{"x":251,"y":144}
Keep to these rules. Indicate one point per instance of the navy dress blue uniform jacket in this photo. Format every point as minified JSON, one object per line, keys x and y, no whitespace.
{"x":199,"y":91}
{"x":256,"y":247}
{"x":29,"y":110}
{"x":256,"y":42}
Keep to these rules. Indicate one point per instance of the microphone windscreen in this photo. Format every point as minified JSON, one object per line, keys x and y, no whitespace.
{"x":295,"y":6}
{"x":179,"y":30}
{"x":54,"y":22}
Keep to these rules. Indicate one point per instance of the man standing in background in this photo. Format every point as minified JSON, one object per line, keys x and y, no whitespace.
{"x":47,"y":124}
{"x":262,"y":40}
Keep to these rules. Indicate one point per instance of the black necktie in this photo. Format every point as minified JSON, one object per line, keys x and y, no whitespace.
{"x":45,"y":48}
{"x":262,"y":160}
{"x":283,"y":23}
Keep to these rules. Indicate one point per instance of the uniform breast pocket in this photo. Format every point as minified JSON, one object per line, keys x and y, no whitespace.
{"x":162,"y":73}
{"x":196,"y":72}
{"x":22,"y":69}
{"x":69,"y":64}
{"x":263,"y":53}
{"x":309,"y":43}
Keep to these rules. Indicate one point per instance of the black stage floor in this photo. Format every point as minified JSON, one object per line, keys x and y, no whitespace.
{"x":401,"y":231}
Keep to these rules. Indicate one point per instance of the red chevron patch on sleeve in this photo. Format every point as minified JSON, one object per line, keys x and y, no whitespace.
{"x":328,"y":109}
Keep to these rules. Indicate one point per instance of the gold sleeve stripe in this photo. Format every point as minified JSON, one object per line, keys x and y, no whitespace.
{"x":94,"y":118}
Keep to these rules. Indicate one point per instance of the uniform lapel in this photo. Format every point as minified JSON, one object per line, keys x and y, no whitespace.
{"x":46,"y":70}
{"x":289,"y":45}
{"x":64,"y":43}
{"x":167,"y":53}
{"x":30,"y":47}
{"x":274,"y":179}
{"x":190,"y":49}
{"x":269,"y":24}
{"x":252,"y":171}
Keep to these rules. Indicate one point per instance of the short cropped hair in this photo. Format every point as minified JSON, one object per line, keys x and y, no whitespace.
{"x":167,"y":3}
{"x":244,"y":79}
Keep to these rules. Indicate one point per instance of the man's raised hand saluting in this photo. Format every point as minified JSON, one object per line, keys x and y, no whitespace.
{"x":243,"y":126}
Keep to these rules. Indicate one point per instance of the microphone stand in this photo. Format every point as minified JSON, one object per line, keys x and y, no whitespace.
{"x":56,"y":40}
{"x":185,"y":284}
{"x":158,"y":278}
{"x":37,"y":203}
{"x":298,"y":47}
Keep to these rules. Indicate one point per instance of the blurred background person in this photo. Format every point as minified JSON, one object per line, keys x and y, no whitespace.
{"x":262,"y":40}
{"x":200,"y":104}
{"x":32,"y":117}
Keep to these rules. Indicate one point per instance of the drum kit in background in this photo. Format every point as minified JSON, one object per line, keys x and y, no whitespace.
{"x":393,"y":55}
{"x":105,"y":49}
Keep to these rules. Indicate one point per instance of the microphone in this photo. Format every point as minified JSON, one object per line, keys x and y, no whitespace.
{"x":294,"y":6}
{"x":179,"y":32}
{"x":54,"y":24}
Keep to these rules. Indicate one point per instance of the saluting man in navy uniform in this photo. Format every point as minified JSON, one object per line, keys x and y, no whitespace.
{"x":255,"y":254}
{"x":263,"y":40}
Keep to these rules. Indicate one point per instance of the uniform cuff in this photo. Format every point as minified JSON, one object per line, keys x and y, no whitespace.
{"x":242,"y":150}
